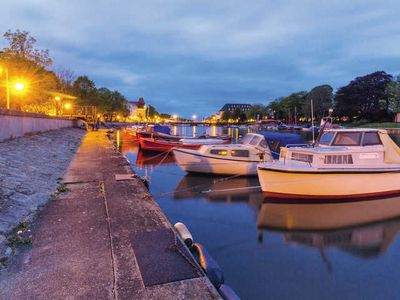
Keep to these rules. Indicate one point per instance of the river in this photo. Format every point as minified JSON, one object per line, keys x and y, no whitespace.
{"x":277,"y":250}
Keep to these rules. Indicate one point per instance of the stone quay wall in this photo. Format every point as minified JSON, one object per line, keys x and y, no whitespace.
{"x":31,"y":169}
{"x":16,"y":124}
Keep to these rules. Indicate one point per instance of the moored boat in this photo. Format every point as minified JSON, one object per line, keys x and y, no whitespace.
{"x":345,"y":163}
{"x":161,"y":145}
{"x":234,"y":159}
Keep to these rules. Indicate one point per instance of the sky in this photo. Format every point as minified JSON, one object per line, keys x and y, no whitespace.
{"x":191,"y":57}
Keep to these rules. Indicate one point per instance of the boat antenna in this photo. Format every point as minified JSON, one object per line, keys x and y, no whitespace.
{"x":328,"y":120}
{"x":312,"y":122}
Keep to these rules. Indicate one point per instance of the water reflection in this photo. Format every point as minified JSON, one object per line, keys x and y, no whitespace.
{"x":221,"y":189}
{"x":150,"y":159}
{"x":363,"y":229}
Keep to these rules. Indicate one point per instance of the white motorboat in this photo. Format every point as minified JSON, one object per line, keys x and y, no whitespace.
{"x":345,"y":163}
{"x":232,"y":159}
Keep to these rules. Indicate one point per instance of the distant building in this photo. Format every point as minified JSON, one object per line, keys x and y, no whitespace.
{"x":231,"y":107}
{"x":137,"y":109}
{"x":235,"y":106}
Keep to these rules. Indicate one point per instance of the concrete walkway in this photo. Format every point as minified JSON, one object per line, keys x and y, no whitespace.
{"x":105,"y":239}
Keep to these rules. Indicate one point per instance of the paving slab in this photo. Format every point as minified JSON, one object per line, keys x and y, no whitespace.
{"x":106,"y":238}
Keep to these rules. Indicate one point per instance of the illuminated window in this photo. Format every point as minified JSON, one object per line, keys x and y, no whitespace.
{"x":240,"y":153}
{"x":219,"y":152}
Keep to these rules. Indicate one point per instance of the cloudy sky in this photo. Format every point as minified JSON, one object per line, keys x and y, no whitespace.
{"x":191,"y":56}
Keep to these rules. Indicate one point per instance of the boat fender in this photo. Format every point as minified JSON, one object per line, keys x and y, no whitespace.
{"x":227,"y":293}
{"x":145,"y":181}
{"x":184,"y":233}
{"x":209,"y":265}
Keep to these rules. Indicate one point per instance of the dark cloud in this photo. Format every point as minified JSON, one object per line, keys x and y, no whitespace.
{"x":193,"y":56}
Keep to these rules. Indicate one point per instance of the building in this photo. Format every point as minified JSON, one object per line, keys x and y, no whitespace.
{"x":235,"y":106}
{"x":231,"y":107}
{"x":137,"y":110}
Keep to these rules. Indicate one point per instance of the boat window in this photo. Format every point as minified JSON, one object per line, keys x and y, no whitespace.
{"x":254,"y":141}
{"x":263,"y":144}
{"x":247,"y":139}
{"x":240,"y":153}
{"x":347,"y":139}
{"x":302,"y":157}
{"x":274,"y":145}
{"x":326,"y":138}
{"x":338,"y":159}
{"x":371,"y":138}
{"x":219,"y":152}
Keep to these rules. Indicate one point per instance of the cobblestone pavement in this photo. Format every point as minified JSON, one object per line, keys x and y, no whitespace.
{"x":30,"y":168}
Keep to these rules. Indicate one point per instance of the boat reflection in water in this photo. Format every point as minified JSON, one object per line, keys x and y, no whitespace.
{"x":363,"y":228}
{"x":144,"y":159}
{"x":220,"y":189}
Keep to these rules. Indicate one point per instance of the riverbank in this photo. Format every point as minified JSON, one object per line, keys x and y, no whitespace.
{"x":31,"y":170}
{"x":105,"y":238}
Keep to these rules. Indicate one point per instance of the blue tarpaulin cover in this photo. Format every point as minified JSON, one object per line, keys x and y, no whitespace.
{"x":162,"y":129}
{"x":276,"y":140}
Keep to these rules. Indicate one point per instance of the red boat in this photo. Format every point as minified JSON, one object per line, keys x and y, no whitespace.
{"x":169,"y":137}
{"x":158,"y":145}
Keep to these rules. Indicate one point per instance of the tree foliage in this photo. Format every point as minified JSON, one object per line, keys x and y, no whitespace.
{"x":322,"y":100}
{"x":393,"y":92}
{"x":364,"y":97}
{"x":257,"y":111}
{"x":21,"y":45}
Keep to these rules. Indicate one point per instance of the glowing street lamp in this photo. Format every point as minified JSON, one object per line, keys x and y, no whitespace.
{"x":19,"y":86}
{"x":5,"y":70}
{"x":67,"y":105}
{"x":194,"y":117}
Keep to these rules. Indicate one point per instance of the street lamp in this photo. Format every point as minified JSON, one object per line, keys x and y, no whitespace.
{"x":194,"y":117}
{"x":7,"y":85}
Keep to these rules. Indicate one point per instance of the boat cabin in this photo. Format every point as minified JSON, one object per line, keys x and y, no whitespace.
{"x":255,"y":145}
{"x":252,"y":146}
{"x":346,"y":148}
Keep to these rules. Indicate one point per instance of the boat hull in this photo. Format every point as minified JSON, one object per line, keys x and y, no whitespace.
{"x":163,"y":146}
{"x":195,"y":163}
{"x":325,"y":185}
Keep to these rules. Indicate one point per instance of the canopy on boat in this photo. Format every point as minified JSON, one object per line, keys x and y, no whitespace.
{"x":392,"y":151}
{"x":276,"y":140}
{"x":162,"y":129}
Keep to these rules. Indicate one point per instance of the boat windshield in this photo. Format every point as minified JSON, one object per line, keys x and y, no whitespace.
{"x":247,"y":139}
{"x":326,"y":138}
{"x":347,"y":139}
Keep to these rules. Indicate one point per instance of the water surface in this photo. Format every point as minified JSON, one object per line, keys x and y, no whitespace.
{"x":277,"y":250}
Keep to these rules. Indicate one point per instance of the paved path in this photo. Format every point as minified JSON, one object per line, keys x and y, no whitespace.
{"x":104,"y":239}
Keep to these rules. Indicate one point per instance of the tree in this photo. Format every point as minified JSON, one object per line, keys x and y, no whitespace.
{"x":152,"y":112}
{"x":28,"y":65}
{"x":276,"y":108}
{"x":293,"y":105}
{"x":85,"y":90}
{"x":364,"y":97}
{"x":66,"y":79}
{"x":393,"y":92}
{"x":226,"y":115}
{"x":256,"y":111}
{"x":22,"y":46}
{"x":322,"y":98}
{"x":110,"y":104}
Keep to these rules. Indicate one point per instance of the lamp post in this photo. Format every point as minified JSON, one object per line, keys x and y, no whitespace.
{"x":7,"y":86}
